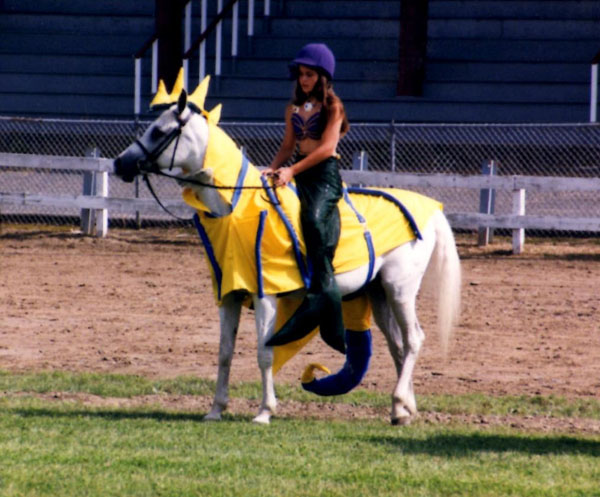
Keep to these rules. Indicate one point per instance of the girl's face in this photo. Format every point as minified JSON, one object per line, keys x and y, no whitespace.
{"x":307,"y":78}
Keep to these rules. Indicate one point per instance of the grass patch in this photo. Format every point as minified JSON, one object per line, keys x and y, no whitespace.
{"x":69,"y":450}
{"x":104,"y":385}
{"x":129,"y":386}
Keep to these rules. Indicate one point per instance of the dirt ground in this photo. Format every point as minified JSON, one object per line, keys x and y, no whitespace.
{"x":140,"y":302}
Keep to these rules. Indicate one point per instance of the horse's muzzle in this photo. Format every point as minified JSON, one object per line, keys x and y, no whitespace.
{"x":127,"y":170}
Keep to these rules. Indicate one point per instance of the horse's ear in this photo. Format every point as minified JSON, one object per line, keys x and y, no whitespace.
{"x":182,"y":101}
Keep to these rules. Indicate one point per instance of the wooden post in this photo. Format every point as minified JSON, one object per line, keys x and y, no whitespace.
{"x":87,"y":214}
{"x":89,"y":188}
{"x":101,"y":214}
{"x":518,"y":235}
{"x":487,"y":204}
{"x":95,"y":183}
{"x":360,"y":160}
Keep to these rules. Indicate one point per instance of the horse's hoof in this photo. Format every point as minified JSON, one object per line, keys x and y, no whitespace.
{"x":212,"y":416}
{"x":264,"y":418}
{"x":404,"y":421}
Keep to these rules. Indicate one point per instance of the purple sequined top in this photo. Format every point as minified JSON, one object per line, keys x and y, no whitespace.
{"x":311,"y":128}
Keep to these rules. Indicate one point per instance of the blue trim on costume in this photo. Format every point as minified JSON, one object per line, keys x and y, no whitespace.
{"x":395,"y":201}
{"x":257,"y":253}
{"x":210,"y":253}
{"x":240,"y":182}
{"x":290,"y":229}
{"x":348,"y":200}
{"x":358,"y":355}
{"x":292,"y":186}
{"x":369,"y":240}
{"x":367,"y":235}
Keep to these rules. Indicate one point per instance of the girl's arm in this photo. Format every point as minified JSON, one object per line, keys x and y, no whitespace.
{"x":326,"y":148}
{"x":288,"y":144}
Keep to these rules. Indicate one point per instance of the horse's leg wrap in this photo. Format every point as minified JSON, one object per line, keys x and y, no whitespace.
{"x":358,"y":354}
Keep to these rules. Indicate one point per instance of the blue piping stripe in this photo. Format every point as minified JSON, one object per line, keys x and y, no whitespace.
{"x":293,"y":188}
{"x":348,"y":200}
{"x":290,"y":229}
{"x":369,"y":240}
{"x":210,"y":253}
{"x":257,"y":253}
{"x":240,"y":182}
{"x":395,"y":201}
{"x":367,"y":235}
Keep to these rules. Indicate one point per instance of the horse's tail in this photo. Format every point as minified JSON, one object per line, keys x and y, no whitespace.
{"x":445,"y":274}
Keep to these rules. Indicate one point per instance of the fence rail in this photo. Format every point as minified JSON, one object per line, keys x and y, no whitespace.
{"x":56,"y":162}
{"x":554,"y":168}
{"x":535,"y":183}
{"x":517,"y":221}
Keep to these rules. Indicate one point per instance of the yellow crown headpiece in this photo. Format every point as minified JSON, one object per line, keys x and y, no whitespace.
{"x":164,"y":99}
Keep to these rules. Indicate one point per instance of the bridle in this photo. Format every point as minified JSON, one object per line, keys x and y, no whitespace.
{"x":148,"y":165}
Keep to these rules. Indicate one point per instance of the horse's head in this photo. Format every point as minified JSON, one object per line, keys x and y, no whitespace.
{"x":176,"y":140}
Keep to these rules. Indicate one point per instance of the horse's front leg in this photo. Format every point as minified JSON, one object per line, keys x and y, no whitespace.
{"x":265,"y":309}
{"x":229,"y":313}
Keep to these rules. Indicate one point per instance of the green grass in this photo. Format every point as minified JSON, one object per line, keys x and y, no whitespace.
{"x":127,"y":386}
{"x":67,"y":449}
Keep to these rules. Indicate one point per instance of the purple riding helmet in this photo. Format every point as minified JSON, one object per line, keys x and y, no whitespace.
{"x":317,"y":56}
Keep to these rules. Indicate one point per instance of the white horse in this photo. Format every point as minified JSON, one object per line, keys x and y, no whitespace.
{"x":178,"y":140}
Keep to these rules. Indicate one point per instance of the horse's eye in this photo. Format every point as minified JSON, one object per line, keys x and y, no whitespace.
{"x":156,"y":134}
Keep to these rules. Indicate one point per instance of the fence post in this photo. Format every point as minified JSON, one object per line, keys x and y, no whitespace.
{"x":89,"y":188}
{"x":87,"y":214}
{"x":95,"y":183}
{"x":360,"y":160}
{"x":101,"y":214}
{"x":518,"y":235}
{"x":487,"y":202}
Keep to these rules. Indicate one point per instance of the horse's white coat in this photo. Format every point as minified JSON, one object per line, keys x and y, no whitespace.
{"x":400,"y":274}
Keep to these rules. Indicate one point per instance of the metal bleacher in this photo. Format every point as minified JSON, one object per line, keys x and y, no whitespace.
{"x":487,"y":60}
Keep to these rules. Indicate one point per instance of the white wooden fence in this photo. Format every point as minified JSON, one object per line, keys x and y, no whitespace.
{"x":518,"y":221}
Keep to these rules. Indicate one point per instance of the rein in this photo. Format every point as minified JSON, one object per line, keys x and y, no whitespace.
{"x":159,"y":172}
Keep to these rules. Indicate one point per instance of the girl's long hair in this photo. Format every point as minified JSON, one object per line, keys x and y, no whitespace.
{"x":322,"y":92}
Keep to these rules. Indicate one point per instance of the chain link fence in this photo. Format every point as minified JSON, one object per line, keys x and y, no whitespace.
{"x":561,"y":150}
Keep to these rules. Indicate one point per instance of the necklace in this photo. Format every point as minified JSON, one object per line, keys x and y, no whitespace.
{"x":308,"y":106}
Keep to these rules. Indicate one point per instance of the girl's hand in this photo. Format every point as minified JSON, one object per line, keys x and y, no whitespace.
{"x":269,"y":172}
{"x":283,"y":176}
